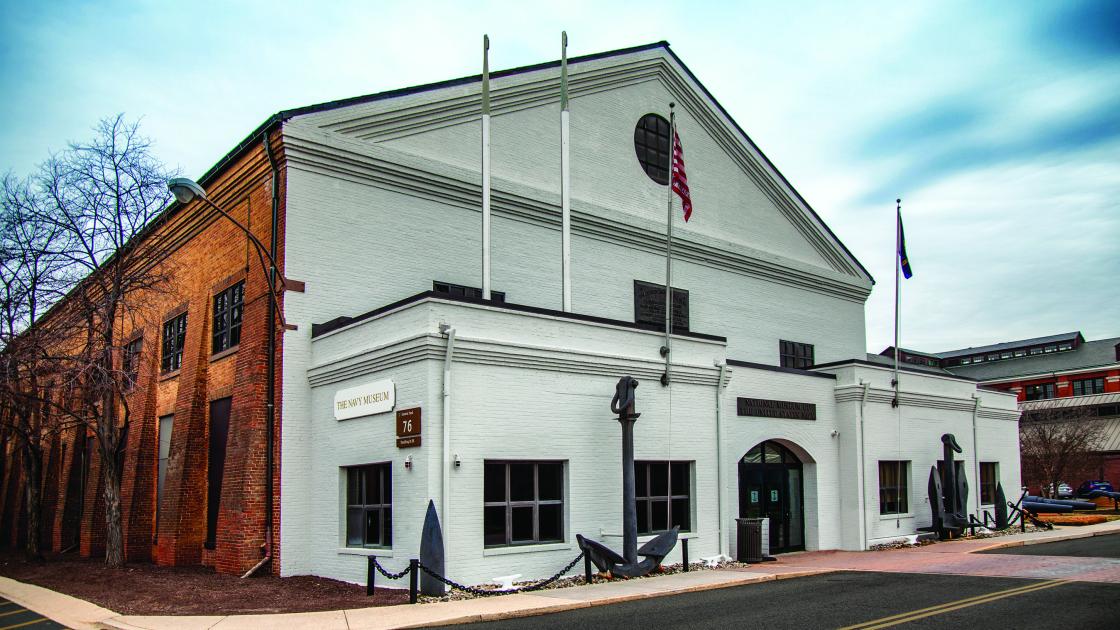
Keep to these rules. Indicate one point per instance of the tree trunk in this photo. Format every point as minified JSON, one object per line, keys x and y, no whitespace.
{"x":33,"y":474}
{"x":114,"y":535}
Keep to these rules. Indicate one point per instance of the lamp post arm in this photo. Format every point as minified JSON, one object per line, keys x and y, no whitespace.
{"x":262,"y":254}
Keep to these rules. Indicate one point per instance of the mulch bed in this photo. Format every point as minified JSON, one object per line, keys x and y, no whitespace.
{"x":145,"y":589}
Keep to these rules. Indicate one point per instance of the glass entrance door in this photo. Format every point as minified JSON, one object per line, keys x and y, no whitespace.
{"x":770,"y":486}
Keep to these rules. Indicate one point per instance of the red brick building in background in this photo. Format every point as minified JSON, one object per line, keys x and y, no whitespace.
{"x":193,"y":488}
{"x":1061,"y":372}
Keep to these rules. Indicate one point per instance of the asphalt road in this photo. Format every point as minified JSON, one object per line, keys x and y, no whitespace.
{"x":842,"y":599}
{"x":1094,"y":547}
{"x":12,"y":616}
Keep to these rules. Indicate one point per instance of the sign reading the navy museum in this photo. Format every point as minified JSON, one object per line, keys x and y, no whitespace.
{"x":408,"y":427}
{"x":782,"y":409}
{"x":364,"y":400}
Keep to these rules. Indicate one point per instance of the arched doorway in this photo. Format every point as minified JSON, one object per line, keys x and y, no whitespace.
{"x":771,"y":485}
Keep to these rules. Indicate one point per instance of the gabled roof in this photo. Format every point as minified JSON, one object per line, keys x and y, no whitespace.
{"x":1007,"y":345}
{"x":284,"y":115}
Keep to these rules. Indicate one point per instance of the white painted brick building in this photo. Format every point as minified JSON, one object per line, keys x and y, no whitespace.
{"x":383,"y":200}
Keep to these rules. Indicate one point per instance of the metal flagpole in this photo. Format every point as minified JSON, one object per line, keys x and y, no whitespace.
{"x":667,"y":348}
{"x":485,"y":167}
{"x":669,"y":314}
{"x":897,"y":304}
{"x":565,"y":178}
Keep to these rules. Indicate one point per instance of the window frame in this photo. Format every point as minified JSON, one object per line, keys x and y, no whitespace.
{"x":461,"y":290}
{"x":1042,"y":391}
{"x":225,"y":329}
{"x":681,"y":307}
{"x":171,"y":348}
{"x":791,"y":354}
{"x":1096,"y":386}
{"x":535,"y":503}
{"x":130,"y":360}
{"x":645,"y":495}
{"x":901,"y":490}
{"x":662,"y":147}
{"x":988,"y":486}
{"x":384,"y":508}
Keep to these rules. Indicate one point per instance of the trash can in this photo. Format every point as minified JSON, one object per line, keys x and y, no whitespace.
{"x":749,"y":539}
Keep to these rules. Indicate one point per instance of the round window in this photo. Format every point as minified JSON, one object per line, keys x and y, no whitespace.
{"x":651,"y":143}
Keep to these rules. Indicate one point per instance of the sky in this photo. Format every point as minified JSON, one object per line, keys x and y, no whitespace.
{"x":997,"y":123}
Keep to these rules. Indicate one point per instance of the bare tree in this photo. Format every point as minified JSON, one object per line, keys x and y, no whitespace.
{"x":31,"y":279}
{"x":1059,"y":445}
{"x":98,"y":198}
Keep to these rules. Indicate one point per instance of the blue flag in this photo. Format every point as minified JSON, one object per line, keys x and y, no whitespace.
{"x":902,"y":259}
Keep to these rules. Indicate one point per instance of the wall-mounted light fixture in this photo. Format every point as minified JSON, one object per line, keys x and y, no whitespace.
{"x":408,"y":463}
{"x":458,"y":462}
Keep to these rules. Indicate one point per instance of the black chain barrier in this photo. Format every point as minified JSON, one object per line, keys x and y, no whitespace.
{"x":391,"y":576}
{"x":481,"y":592}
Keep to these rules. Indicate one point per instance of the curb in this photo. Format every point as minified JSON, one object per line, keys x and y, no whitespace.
{"x":1072,"y":535}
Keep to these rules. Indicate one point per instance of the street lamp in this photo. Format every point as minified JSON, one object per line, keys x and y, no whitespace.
{"x":187,"y":190}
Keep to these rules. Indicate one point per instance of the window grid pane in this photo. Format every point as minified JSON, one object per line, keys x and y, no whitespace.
{"x":893,"y":487}
{"x":369,"y":510}
{"x":522,"y":503}
{"x":663,"y":494}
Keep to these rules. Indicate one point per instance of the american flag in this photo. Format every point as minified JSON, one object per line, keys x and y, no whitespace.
{"x":680,"y":179}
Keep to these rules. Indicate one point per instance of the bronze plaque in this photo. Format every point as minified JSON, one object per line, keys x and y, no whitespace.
{"x":408,"y":423}
{"x":782,"y":409}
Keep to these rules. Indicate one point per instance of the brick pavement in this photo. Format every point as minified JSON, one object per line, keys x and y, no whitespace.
{"x":958,"y":558}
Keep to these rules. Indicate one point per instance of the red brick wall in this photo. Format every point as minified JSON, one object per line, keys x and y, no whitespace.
{"x":212,"y":254}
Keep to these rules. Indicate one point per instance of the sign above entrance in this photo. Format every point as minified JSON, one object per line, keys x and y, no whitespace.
{"x":365,"y":400}
{"x":408,"y":427}
{"x":782,"y":409}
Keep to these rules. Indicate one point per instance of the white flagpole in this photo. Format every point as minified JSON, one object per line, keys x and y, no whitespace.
{"x":485,"y":167}
{"x":897,"y":305}
{"x":669,"y":253}
{"x":565,"y":177}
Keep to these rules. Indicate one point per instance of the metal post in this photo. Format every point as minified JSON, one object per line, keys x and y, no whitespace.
{"x":629,"y":500}
{"x":587,"y":568}
{"x":413,"y":579}
{"x":371,"y":573}
{"x":684,"y":553}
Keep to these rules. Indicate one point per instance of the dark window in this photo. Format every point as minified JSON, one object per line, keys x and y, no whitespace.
{"x":165,"y":425}
{"x":1040,"y":392}
{"x":796,"y":355}
{"x":651,"y":143}
{"x":174,"y":336}
{"x":893,"y":487}
{"x":131,"y":361}
{"x":228,"y":306}
{"x":649,"y":307}
{"x":369,"y":506}
{"x":663,"y":491}
{"x":219,"y":433}
{"x":1088,"y":386}
{"x":1036,"y":350}
{"x":989,"y":476}
{"x":523,"y":503}
{"x":458,"y":290}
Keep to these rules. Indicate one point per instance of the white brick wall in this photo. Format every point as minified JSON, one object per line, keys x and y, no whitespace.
{"x":375,"y":216}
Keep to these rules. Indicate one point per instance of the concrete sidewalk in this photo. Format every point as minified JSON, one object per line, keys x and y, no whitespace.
{"x":82,"y":615}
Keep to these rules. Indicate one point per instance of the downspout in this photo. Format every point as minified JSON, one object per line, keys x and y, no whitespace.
{"x":446,"y":329}
{"x":723,"y":544}
{"x":976,"y":452}
{"x":860,"y":472}
{"x":270,"y":363}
